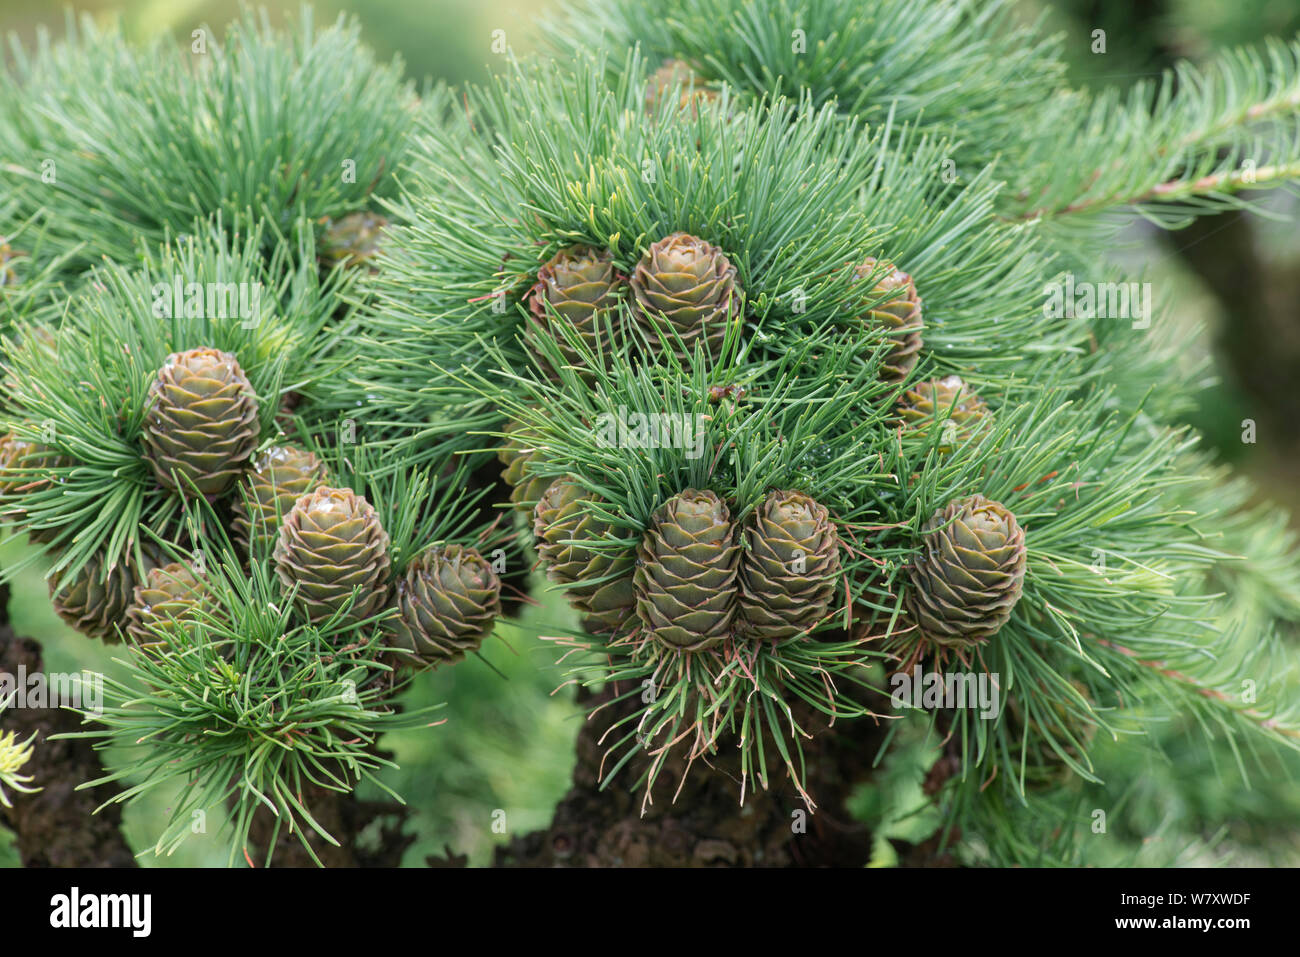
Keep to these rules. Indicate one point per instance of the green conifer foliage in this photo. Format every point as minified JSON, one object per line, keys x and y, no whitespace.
{"x":272,"y":129}
{"x":1063,"y":444}
{"x":753,"y":322}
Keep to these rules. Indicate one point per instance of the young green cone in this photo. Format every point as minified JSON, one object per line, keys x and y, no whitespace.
{"x":609,"y":607}
{"x":688,"y":285}
{"x":201,"y":422}
{"x":330,"y":543}
{"x":788,"y":572}
{"x":168,"y":596}
{"x":969,"y":574}
{"x":277,"y":479}
{"x":447,"y":603}
{"x":578,"y":286}
{"x":602,"y":583}
{"x":899,"y":315}
{"x":685,"y":578}
{"x":947,"y":403}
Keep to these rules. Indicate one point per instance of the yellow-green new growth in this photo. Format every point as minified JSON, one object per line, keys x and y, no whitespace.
{"x":13,"y":755}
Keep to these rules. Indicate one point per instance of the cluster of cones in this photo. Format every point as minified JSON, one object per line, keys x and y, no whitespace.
{"x":963,"y":585}
{"x":689,"y":582}
{"x":328,"y":547}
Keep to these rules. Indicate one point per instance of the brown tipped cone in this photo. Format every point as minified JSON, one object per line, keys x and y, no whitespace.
{"x":354,"y":239}
{"x":899,"y":315}
{"x":601,"y":582}
{"x":168,"y":597}
{"x":516,"y":455}
{"x":447,"y":603}
{"x":278,"y":478}
{"x":579,"y":287}
{"x":676,"y":75}
{"x":686,"y":571}
{"x":948,"y":404}
{"x":330,"y":543}
{"x":95,"y":600}
{"x":788,"y":573}
{"x":688,"y":285}
{"x":201,"y":422}
{"x":25,"y":469}
{"x":969,"y":574}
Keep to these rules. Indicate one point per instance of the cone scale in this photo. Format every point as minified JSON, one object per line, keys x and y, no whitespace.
{"x":947,"y":404}
{"x":353,"y":240}
{"x":676,"y":75}
{"x":23,"y":470}
{"x":788,"y":571}
{"x":96,"y":598}
{"x":601,"y":583}
{"x":168,"y":596}
{"x":579,"y":288}
{"x":895,"y":308}
{"x":277,"y":479}
{"x":516,"y":455}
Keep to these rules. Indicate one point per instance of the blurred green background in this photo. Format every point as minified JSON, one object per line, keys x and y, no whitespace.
{"x":1233,"y":280}
{"x":507,"y":741}
{"x":447,"y":39}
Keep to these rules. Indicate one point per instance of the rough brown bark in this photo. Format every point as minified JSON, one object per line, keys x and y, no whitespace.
{"x":706,"y":826}
{"x":56,"y":827}
{"x":370,"y":833}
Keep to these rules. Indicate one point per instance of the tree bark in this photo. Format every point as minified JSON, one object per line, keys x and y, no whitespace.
{"x":56,"y":826}
{"x":370,"y":833}
{"x":706,"y":826}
